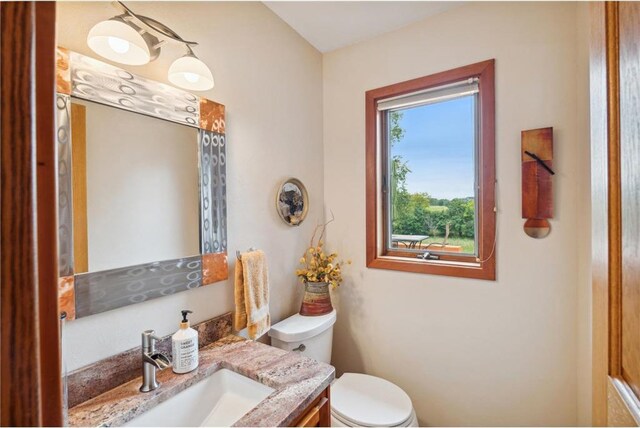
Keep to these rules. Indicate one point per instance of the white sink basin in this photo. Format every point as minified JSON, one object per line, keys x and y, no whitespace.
{"x":218,"y":400}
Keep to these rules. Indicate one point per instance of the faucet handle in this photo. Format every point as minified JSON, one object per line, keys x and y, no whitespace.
{"x":149,"y":339}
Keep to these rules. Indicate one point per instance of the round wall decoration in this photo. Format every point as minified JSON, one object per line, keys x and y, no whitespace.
{"x":292,"y":202}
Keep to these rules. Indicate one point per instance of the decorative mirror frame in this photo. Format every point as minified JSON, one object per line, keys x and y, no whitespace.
{"x":305,"y":200}
{"x":90,"y":293}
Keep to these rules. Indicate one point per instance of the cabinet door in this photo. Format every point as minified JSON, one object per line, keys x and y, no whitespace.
{"x":318,"y":414}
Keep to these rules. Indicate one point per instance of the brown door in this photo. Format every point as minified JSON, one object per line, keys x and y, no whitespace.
{"x":615,"y":140}
{"x":30,"y":391}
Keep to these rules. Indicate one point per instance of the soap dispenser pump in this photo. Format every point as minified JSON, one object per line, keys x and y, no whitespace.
{"x":184,"y":345}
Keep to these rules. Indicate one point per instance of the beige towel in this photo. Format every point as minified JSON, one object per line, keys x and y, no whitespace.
{"x":252,"y":294}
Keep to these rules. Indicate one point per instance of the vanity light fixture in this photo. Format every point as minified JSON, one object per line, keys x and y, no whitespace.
{"x":190,"y":72}
{"x":135,"y":39}
{"x":120,"y":40}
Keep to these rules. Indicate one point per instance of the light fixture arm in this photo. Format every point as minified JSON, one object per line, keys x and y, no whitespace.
{"x":155,"y":25}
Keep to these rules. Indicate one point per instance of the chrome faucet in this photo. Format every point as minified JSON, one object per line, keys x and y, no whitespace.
{"x":151,"y":360}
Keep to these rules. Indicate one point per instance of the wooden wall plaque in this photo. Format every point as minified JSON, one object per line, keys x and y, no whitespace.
{"x":537,"y":185}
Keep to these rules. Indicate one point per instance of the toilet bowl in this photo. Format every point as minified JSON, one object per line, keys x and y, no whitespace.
{"x":368,"y":401}
{"x":356,"y":399}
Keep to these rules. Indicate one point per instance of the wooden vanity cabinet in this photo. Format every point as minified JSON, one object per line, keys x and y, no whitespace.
{"x":318,"y":413}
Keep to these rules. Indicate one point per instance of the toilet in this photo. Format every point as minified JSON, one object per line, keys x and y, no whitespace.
{"x":357,"y":400}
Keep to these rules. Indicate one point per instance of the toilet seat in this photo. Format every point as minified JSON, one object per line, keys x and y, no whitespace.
{"x":362,"y":400}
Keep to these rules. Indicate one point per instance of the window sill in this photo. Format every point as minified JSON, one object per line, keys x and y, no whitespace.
{"x":458,"y":269}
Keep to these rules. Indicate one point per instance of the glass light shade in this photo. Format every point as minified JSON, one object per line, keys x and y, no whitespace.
{"x":188,"y":72}
{"x":119,"y":41}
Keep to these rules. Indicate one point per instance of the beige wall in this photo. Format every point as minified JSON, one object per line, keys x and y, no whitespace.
{"x":511,"y":352}
{"x":583,"y":241}
{"x":472,"y":352}
{"x":271,"y":81}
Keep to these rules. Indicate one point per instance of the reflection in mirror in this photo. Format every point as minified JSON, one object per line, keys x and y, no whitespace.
{"x":292,"y":202}
{"x":135,"y":188}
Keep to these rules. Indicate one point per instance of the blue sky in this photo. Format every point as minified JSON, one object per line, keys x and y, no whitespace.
{"x":438,"y":145}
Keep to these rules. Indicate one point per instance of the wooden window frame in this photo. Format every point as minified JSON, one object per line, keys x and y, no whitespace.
{"x":482,"y":266}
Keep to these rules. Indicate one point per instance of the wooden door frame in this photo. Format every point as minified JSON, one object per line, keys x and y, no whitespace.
{"x":30,"y":390}
{"x":613,"y":401}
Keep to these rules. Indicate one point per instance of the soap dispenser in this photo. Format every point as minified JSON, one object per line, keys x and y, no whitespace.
{"x":184,"y":346}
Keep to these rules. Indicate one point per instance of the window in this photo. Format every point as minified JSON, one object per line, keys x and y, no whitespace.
{"x":431,"y":174}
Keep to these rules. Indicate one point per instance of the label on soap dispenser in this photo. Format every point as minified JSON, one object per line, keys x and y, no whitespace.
{"x":185,"y":354}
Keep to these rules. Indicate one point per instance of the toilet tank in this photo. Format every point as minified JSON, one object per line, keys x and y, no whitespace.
{"x":312,"y":336}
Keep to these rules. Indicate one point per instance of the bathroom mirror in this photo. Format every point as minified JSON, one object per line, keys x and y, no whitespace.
{"x":135,"y":182}
{"x":292,"y":202}
{"x":141,"y":187}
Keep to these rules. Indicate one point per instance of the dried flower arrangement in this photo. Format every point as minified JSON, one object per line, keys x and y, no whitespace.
{"x":317,"y":265}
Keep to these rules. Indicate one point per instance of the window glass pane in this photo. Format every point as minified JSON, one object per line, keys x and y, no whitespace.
{"x":432,"y":175}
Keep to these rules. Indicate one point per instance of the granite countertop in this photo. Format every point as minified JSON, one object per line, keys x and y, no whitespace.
{"x":297,"y":381}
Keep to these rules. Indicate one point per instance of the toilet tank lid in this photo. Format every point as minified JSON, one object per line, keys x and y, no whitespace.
{"x":298,"y":327}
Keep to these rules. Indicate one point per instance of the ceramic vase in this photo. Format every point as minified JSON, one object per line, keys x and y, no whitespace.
{"x":316,"y":300}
